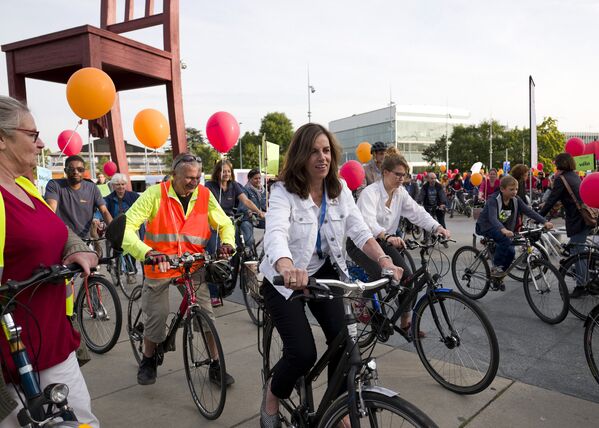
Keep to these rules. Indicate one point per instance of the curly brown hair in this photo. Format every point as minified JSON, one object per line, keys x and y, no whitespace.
{"x":519,"y":171}
{"x":294,"y":173}
{"x":218,"y":168}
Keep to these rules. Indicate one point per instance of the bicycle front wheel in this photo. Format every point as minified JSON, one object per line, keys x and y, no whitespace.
{"x":379,"y":411}
{"x":546,"y":291}
{"x":471,"y":272}
{"x":460,"y":349}
{"x":99,"y":314}
{"x":538,"y":250}
{"x":250,"y":287}
{"x":127,"y":275}
{"x":582,"y":270}
{"x":201,"y":350}
{"x":591,"y":342}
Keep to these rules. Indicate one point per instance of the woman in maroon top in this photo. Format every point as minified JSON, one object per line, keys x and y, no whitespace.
{"x":35,"y":236}
{"x":490,"y":185}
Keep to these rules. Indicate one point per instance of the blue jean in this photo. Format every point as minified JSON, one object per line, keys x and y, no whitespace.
{"x":579,"y":238}
{"x":504,"y":249}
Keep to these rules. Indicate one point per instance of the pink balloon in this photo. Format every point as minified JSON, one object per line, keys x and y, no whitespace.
{"x":353,"y":173}
{"x":540,"y":166}
{"x":456,"y":171}
{"x":589,"y":190}
{"x":596,"y":146}
{"x":222,"y":131}
{"x":71,"y":147}
{"x":110,"y":168}
{"x":419,"y":177}
{"x":575,"y":146}
{"x":589,"y":148}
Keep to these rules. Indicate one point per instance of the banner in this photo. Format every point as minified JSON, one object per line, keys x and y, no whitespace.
{"x":43,"y":176}
{"x":585,"y":162}
{"x":533,"y":124}
{"x":271,"y":158}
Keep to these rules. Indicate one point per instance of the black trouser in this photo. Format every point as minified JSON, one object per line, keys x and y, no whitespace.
{"x":372,"y":268}
{"x":299,"y":349}
{"x":437,"y":214}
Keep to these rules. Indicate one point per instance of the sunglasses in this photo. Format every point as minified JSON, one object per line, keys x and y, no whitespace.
{"x":187,"y":158}
{"x":71,"y":170}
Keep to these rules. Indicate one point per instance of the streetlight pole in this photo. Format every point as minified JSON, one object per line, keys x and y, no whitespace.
{"x":491,"y":145}
{"x":311,"y":90}
{"x":240,"y":148}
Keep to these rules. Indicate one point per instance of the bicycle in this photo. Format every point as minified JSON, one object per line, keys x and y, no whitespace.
{"x":41,"y":408}
{"x":123,"y":271}
{"x":244,"y":265}
{"x":544,"y":287}
{"x":459,"y":347}
{"x":97,"y":309}
{"x":591,"y":341}
{"x":406,"y":227}
{"x":458,"y":204}
{"x":201,"y":343}
{"x":365,"y":402}
{"x":581,"y":272}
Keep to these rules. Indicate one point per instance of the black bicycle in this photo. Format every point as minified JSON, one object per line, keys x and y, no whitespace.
{"x":201,"y":344}
{"x":453,"y":337}
{"x":591,"y":341}
{"x":544,"y":286}
{"x":365,"y":403}
{"x":581,"y":275}
{"x":41,"y":408}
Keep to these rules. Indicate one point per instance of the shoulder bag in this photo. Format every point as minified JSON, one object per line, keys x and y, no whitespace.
{"x":589,"y":215}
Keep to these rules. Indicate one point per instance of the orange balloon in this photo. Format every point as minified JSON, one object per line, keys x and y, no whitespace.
{"x":535,"y":172}
{"x":476,"y":179}
{"x":151,"y":128}
{"x":443,"y":168}
{"x":90,"y":93}
{"x":464,"y":175}
{"x":500,"y":172}
{"x":363,"y":152}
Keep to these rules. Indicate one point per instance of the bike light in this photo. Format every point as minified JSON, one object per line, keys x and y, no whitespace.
{"x":371,"y":364}
{"x":57,"y":392}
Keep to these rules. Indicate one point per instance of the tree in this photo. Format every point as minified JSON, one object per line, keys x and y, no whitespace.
{"x":249,"y":146}
{"x":550,"y":142}
{"x":435,"y":152}
{"x":102,"y":160}
{"x":278,"y":129}
{"x":197,"y":146}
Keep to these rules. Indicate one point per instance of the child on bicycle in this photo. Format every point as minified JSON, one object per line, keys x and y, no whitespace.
{"x":498,"y":221}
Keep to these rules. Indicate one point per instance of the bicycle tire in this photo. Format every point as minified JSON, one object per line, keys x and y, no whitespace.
{"x":101,"y":326}
{"x":416,"y":232}
{"x":582,"y":305}
{"x":463,"y":363}
{"x":125,"y":282}
{"x":208,"y":396}
{"x":135,"y":323}
{"x":380,"y":410}
{"x":591,"y":342}
{"x":463,"y":270}
{"x":517,"y":272}
{"x":409,"y":259}
{"x":551,"y":312}
{"x":250,"y":288}
{"x":272,"y":347}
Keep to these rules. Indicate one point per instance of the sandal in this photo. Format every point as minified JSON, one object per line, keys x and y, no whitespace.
{"x":406,"y":330}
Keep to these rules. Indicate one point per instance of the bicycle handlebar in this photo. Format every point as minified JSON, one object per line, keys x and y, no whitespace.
{"x":412,"y":244}
{"x":52,"y":273}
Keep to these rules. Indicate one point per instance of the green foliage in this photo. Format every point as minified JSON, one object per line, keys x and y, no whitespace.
{"x":198,"y":146}
{"x":249,"y":145}
{"x":435,"y":153}
{"x":550,"y":141}
{"x":102,"y":160}
{"x":278,"y":129}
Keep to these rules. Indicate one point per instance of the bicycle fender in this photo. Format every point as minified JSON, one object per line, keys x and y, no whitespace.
{"x":443,"y":290}
{"x":381,"y":390}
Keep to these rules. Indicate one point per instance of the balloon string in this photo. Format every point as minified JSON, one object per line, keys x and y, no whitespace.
{"x":79,"y":122}
{"x":158,"y":162}
{"x":220,"y":191}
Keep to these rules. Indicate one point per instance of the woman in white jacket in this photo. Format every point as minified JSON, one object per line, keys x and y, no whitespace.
{"x":382,"y":205}
{"x":311,"y":212}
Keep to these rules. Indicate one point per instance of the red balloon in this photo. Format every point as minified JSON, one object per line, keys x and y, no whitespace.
{"x":71,"y":147}
{"x":353,"y":174}
{"x":419,"y":177}
{"x":596,"y":146}
{"x":589,"y":190}
{"x":540,"y":166}
{"x":589,"y":148}
{"x":222,"y":131}
{"x":456,"y":171}
{"x":110,"y":168}
{"x":575,"y":146}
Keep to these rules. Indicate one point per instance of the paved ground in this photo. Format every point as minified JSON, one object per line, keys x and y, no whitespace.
{"x":543,"y":380}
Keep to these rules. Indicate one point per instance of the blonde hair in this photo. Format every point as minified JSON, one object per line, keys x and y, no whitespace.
{"x":507,"y":181}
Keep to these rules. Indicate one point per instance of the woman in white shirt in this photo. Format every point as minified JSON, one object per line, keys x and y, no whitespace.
{"x":382,"y":205}
{"x":311,"y":212}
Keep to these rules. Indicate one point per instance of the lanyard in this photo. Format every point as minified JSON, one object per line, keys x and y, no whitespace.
{"x":323,"y":210}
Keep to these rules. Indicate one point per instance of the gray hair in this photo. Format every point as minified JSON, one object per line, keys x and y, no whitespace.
{"x":119,"y":178}
{"x":10,"y":114}
{"x":184,"y":159}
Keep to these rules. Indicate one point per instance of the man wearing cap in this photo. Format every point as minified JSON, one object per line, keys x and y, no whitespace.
{"x":372,"y":168}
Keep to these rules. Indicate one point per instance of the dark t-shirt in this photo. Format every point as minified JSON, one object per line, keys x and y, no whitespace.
{"x":36,"y":236}
{"x":431,"y":196}
{"x":75,"y":207}
{"x":506,"y":212}
{"x":228,"y":200}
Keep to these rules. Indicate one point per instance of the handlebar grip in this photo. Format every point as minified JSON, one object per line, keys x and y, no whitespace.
{"x":74,"y":267}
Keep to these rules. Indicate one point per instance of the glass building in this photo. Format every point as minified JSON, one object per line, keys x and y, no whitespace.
{"x":410,"y":128}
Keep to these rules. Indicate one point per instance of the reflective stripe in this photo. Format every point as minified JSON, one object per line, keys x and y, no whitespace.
{"x":170,"y":237}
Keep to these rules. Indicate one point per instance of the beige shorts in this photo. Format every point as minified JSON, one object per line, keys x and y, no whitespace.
{"x":155,"y":303}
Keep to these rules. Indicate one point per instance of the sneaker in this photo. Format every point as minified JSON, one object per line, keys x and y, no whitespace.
{"x":578,"y":292}
{"x":497,"y":285}
{"x":146,"y":374}
{"x":497,"y":272}
{"x":216,"y":302}
{"x":214,"y":376}
{"x":266,"y":420}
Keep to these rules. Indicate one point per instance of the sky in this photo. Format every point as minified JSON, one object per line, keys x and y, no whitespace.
{"x":252,"y":57}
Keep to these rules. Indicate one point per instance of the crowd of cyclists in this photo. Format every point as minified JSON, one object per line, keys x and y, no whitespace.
{"x":313,"y":225}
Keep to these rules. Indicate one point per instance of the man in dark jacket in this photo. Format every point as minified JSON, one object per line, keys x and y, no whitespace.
{"x":433,"y":198}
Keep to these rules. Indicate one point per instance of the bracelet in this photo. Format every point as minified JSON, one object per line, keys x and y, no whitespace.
{"x":383,"y":257}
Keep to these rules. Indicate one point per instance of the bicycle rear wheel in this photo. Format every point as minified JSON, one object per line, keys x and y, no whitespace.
{"x":250,"y":287}
{"x":99,"y":314}
{"x":587,"y":277}
{"x":517,"y":272}
{"x":206,"y":383}
{"x":136,"y":323}
{"x":379,"y":411}
{"x":460,"y":349}
{"x":546,"y":291}
{"x":471,"y":272}
{"x":591,"y":342}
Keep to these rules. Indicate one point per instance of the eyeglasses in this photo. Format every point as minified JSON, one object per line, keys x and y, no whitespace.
{"x":72,"y":170}
{"x":187,"y":158}
{"x":31,"y":132}
{"x":399,"y":174}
